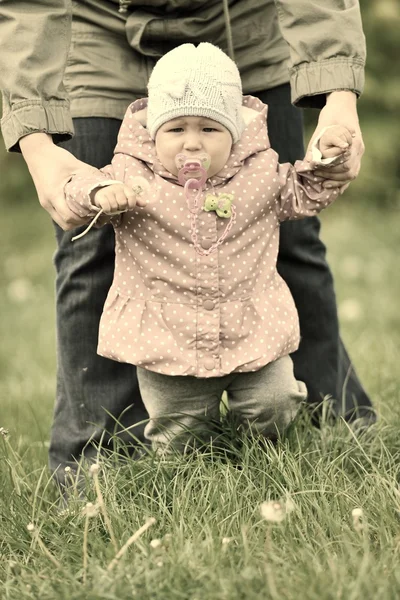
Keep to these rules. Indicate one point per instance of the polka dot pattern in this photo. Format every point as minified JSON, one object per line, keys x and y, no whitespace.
{"x":178,"y":312}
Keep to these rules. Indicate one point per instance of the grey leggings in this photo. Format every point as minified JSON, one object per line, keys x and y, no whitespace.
{"x":182,"y":410}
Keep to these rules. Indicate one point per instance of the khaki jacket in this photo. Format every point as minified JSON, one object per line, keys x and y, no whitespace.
{"x":107,"y":55}
{"x":196,"y":292}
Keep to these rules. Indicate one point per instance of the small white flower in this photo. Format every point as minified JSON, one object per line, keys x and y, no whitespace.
{"x":91,"y":510}
{"x":30,"y":527}
{"x":159,"y":563}
{"x":94,"y":469}
{"x":227,"y":540}
{"x":4,"y":432}
{"x":155,"y":544}
{"x":357,"y":514}
{"x":272,"y":511}
{"x":67,"y":470}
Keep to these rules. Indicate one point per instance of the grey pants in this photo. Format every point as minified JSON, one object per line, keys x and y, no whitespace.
{"x":182,"y":410}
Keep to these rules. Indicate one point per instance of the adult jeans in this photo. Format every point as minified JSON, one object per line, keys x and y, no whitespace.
{"x":97,"y":397}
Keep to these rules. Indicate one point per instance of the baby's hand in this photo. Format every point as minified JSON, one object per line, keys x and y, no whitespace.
{"x":334,"y":141}
{"x":117,"y":197}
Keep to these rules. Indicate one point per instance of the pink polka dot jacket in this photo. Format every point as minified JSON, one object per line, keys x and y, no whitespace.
{"x":182,"y":301}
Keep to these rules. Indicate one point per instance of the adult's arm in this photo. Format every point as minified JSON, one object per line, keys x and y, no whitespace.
{"x":327,"y":48}
{"x":327,"y":58}
{"x":35,"y":39}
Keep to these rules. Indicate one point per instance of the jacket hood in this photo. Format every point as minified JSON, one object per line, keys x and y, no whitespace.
{"x":135,"y":140}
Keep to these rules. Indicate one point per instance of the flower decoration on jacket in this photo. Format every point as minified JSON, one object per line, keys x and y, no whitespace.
{"x":221,"y":204}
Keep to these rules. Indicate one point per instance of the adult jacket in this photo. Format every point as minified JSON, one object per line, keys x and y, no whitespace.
{"x":107,"y":55}
{"x":194,"y":292}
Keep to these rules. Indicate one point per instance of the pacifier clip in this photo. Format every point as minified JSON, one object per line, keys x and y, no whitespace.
{"x":193,"y":189}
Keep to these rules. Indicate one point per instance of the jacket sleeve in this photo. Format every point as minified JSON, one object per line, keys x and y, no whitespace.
{"x":327,"y":47}
{"x":301,"y":192}
{"x":35,"y":39}
{"x":79,"y":189}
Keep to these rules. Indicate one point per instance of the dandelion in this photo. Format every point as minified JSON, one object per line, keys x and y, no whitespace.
{"x":90,"y":510}
{"x":155,"y":543}
{"x":14,"y":567}
{"x":35,"y":535}
{"x":4,"y":432}
{"x":227,"y":540}
{"x":94,"y":471}
{"x":272,"y":511}
{"x":276,"y":512}
{"x":357,"y":515}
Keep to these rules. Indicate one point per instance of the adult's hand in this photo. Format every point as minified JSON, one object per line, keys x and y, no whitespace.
{"x":51,"y":168}
{"x":341,"y":109}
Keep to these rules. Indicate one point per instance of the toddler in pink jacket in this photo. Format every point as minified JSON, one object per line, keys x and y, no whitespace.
{"x":196,"y":196}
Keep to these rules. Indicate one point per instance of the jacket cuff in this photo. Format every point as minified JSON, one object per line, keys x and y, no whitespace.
{"x":310,"y":82}
{"x":30,"y":116}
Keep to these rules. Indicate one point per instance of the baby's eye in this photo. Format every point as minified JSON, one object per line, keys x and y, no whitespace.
{"x":175,"y":130}
{"x":209,"y":129}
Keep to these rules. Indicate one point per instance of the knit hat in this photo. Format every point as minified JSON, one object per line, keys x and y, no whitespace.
{"x":195,"y":81}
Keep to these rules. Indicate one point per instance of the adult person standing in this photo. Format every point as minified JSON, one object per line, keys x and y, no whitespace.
{"x":88,"y":60}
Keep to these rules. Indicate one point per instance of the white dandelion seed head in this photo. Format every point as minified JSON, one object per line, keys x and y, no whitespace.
{"x":90,"y":510}
{"x":227,"y":540}
{"x":272,"y":511}
{"x":94,"y":469}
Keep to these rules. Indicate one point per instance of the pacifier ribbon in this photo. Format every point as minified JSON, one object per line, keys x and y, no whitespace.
{"x":192,"y":174}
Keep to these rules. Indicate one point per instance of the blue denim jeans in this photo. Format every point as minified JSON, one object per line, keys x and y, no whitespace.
{"x":97,"y":397}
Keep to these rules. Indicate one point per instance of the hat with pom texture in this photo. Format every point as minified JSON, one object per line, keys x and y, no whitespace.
{"x":195,"y":81}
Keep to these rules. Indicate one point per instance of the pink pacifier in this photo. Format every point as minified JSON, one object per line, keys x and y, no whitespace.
{"x":192,"y":174}
{"x":188,"y":166}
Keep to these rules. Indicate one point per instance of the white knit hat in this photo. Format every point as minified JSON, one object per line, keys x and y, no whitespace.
{"x":195,"y":81}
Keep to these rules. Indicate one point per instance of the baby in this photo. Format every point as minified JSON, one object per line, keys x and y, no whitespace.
{"x":196,"y":196}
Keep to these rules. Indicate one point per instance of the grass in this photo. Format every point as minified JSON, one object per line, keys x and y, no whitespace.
{"x":213,"y":541}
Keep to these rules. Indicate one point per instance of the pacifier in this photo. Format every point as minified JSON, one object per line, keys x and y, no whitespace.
{"x":192,"y":170}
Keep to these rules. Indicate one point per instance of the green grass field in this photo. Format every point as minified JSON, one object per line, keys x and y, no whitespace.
{"x":209,"y":540}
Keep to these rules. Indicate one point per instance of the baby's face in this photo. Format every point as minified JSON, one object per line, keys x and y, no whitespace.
{"x":190,"y":136}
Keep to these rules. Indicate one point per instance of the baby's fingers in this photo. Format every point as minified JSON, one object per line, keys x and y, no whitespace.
{"x":130,"y":197}
{"x":335,"y":141}
{"x":104,"y":200}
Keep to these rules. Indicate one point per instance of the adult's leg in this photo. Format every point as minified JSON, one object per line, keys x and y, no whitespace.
{"x":92,"y":392}
{"x":321,"y":361}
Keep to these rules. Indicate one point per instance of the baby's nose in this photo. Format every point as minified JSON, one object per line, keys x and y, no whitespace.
{"x":193,"y":142}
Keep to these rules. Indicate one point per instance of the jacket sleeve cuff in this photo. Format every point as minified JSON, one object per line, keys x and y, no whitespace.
{"x":310,"y":82}
{"x":30,"y":116}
